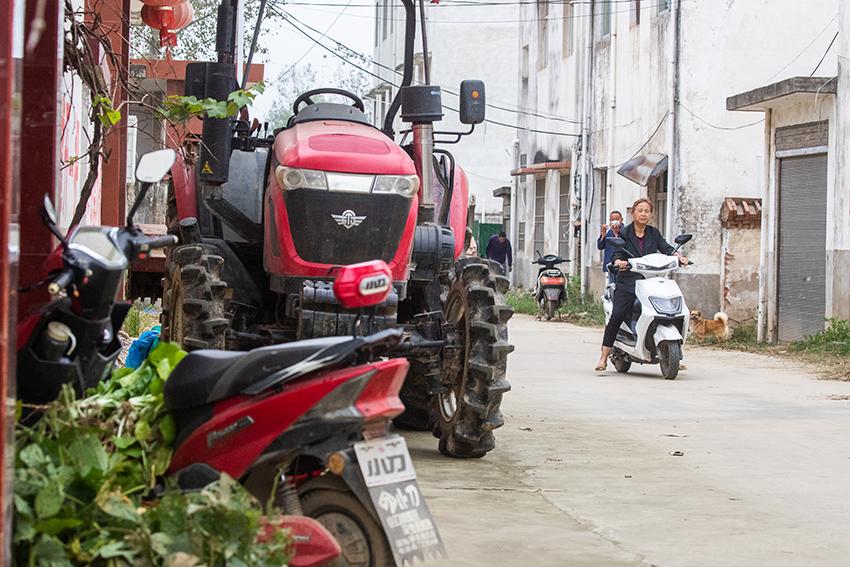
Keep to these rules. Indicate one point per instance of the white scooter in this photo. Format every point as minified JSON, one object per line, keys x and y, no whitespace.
{"x":656,"y":330}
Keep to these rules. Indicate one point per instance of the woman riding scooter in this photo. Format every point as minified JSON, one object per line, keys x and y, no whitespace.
{"x":641,"y":239}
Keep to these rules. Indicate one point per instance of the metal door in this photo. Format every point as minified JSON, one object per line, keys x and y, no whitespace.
{"x":801,"y":274}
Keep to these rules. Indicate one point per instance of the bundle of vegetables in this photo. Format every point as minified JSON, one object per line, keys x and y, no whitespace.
{"x":84,"y":479}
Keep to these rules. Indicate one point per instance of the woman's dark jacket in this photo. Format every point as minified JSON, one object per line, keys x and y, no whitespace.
{"x":652,"y":242}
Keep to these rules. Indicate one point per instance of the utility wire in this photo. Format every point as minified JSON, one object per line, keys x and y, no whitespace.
{"x":311,"y":6}
{"x":831,"y":43}
{"x":811,"y":43}
{"x":310,"y":49}
{"x":474,"y":4}
{"x":707,"y":123}
{"x":514,"y":110}
{"x":287,"y":19}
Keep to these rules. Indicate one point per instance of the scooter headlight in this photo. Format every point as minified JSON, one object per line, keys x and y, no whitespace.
{"x":293,"y":178}
{"x":404,"y":185}
{"x":667,"y":305}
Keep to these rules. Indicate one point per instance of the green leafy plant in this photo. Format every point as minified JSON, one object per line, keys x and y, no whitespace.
{"x":84,"y":479}
{"x":139,"y":319}
{"x":835,"y":339}
{"x":581,"y":312}
{"x":182,"y":108}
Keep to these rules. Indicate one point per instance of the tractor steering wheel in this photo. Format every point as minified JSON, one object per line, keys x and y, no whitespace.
{"x":305,"y":97}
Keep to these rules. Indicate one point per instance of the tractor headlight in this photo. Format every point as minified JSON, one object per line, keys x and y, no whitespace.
{"x":294,"y":178}
{"x":350,"y":182}
{"x":404,"y":185}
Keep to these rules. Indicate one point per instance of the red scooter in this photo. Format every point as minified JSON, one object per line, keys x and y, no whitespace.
{"x":72,"y":338}
{"x":305,"y":425}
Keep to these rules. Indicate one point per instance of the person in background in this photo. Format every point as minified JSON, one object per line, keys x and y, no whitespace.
{"x":499,"y":250}
{"x":613,"y":228}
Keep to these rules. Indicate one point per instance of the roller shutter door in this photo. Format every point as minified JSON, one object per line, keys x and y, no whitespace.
{"x":802,"y":246}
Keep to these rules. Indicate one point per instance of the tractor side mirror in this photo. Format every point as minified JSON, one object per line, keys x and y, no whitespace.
{"x":363,"y":285}
{"x":473,"y":104}
{"x":683,"y":239}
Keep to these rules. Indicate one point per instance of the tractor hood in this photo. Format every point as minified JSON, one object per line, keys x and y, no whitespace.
{"x":344,"y":147}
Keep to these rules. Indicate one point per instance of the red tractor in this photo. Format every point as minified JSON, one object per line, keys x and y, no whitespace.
{"x":265,"y":223}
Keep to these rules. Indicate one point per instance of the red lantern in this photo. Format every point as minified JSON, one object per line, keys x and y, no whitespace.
{"x":159,"y":3}
{"x":168,"y":20}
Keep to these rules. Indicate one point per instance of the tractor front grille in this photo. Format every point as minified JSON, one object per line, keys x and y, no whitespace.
{"x":345,"y":228}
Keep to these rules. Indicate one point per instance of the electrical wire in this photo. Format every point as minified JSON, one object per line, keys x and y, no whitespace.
{"x":310,"y":49}
{"x":311,"y":6}
{"x":831,"y":43}
{"x":515,"y":110}
{"x":476,"y":4}
{"x":727,"y":128}
{"x":287,"y":19}
{"x":804,"y":50}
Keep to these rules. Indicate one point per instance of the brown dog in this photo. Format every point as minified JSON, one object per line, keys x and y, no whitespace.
{"x":717,"y":328}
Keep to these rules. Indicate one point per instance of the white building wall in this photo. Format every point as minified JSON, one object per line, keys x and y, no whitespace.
{"x":724,"y":48}
{"x":462,"y":49}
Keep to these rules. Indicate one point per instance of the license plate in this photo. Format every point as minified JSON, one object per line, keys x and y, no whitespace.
{"x":384,"y":461}
{"x":391,"y":482}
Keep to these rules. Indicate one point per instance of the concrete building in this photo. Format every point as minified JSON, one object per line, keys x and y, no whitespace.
{"x":638,"y":91}
{"x":463,"y":43}
{"x":805,"y":236}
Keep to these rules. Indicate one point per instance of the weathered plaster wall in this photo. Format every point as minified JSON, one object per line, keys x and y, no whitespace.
{"x":840,"y":255}
{"x":740,"y":288}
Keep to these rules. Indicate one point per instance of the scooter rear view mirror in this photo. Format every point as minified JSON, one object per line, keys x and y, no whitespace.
{"x":683,"y":239}
{"x":154,"y":165}
{"x":616,"y":242}
{"x":49,"y":210}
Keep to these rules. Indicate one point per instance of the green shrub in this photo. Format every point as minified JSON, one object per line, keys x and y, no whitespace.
{"x":586,"y":312}
{"x":835,"y":339}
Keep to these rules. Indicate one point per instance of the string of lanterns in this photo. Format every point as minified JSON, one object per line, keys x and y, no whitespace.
{"x":167,"y":16}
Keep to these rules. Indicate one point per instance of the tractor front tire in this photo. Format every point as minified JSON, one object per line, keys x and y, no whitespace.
{"x":467,"y":408}
{"x":193,"y":301}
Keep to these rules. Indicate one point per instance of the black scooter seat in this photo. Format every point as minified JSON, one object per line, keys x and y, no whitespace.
{"x":206,"y":376}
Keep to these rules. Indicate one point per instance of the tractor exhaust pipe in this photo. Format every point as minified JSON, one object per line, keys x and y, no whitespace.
{"x":422,"y":106}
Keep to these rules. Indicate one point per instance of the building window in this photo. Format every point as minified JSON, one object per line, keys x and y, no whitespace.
{"x":635,"y":13}
{"x":568,"y":28}
{"x":564,"y":217}
{"x":539,"y":214}
{"x":520,"y":237}
{"x":542,"y":33}
{"x":386,"y":17}
{"x":663,"y":5}
{"x":604,"y":9}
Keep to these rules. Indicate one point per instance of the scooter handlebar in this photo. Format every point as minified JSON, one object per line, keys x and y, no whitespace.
{"x":61,"y":281}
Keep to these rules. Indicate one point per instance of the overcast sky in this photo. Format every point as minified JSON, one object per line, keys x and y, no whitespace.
{"x":352,"y":26}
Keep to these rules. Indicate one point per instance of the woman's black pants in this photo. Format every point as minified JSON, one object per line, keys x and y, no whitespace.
{"x":624,"y":302}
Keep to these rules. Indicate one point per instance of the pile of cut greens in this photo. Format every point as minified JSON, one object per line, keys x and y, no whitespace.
{"x":84,"y":475}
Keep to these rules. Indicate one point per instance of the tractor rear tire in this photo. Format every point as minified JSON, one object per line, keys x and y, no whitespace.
{"x":193,"y":301}
{"x":418,"y":414}
{"x":467,"y":409}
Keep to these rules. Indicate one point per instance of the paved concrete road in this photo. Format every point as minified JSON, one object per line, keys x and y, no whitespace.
{"x":583,"y":473}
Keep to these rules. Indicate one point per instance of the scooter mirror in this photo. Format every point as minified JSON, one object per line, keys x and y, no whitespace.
{"x":683,"y":238}
{"x":49,"y":210}
{"x":616,"y":242}
{"x":154,"y":165}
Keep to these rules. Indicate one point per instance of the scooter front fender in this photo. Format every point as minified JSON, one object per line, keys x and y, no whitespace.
{"x":666,"y":333}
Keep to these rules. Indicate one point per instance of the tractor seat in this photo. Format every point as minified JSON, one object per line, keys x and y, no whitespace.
{"x":207,"y":376}
{"x":329,"y":111}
